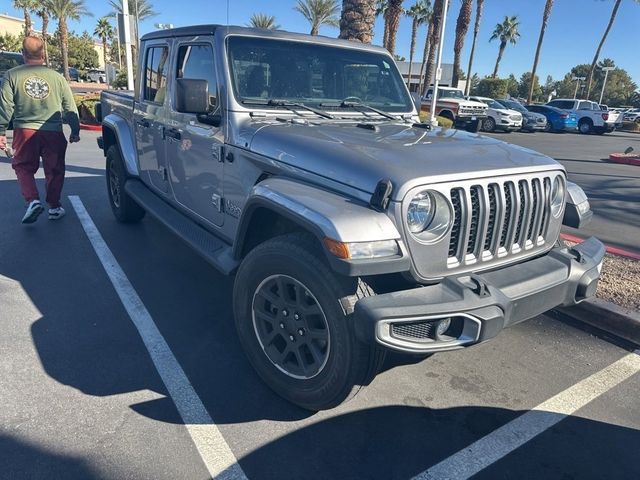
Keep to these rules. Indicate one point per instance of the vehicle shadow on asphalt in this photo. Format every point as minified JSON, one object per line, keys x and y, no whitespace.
{"x":399,"y":442}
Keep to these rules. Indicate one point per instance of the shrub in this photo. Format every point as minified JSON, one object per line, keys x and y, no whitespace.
{"x":121,"y":79}
{"x":87,"y":107}
{"x":630,"y":127}
{"x":493,"y":87}
{"x":442,"y":121}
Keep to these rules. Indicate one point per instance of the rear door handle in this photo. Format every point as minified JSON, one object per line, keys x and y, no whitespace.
{"x":144,"y":123}
{"x":172,"y":133}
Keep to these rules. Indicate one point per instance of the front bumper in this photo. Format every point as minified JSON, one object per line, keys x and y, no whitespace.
{"x":479,"y":306}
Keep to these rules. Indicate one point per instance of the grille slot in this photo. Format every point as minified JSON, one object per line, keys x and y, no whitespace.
{"x":416,"y":330}
{"x":498,"y":219}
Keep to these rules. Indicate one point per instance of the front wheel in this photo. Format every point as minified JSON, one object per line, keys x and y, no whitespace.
{"x":489,"y":124}
{"x":289,"y":310}
{"x":474,"y":126}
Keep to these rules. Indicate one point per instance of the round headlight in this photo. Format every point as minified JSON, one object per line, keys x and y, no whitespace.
{"x":557,"y":196}
{"x":420,"y":213}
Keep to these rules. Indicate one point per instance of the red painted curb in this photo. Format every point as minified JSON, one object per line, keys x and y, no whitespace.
{"x":93,"y":128}
{"x":612,"y":250}
{"x":625,"y":158}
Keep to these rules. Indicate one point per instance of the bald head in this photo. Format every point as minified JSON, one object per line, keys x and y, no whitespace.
{"x":33,"y":49}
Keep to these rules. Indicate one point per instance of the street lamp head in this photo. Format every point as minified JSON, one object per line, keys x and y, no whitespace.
{"x":607,"y":69}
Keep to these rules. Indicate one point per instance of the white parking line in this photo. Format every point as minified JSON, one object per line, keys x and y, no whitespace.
{"x":216,"y":454}
{"x":504,"y":440}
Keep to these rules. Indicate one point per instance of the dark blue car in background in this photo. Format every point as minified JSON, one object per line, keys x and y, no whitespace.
{"x":557,"y":120}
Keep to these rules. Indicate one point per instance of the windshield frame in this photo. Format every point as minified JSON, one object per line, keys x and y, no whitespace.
{"x":244,"y":104}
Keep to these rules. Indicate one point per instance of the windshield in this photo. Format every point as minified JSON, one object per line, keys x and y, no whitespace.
{"x":495,"y":105}
{"x":450,"y":93}
{"x":316,"y":75}
{"x":514,"y":105}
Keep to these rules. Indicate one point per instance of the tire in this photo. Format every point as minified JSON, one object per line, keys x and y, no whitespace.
{"x":548,"y":127}
{"x":473,"y":127}
{"x":585,"y":126}
{"x":489,"y":125}
{"x":601,"y":130}
{"x":302,"y":342}
{"x":124,"y":208}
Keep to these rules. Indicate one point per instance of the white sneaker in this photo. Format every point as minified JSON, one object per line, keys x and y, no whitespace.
{"x":34,"y":209}
{"x":56,"y":213}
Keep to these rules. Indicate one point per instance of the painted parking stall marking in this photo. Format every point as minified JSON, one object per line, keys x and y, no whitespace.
{"x":516,"y":433}
{"x":214,"y":450}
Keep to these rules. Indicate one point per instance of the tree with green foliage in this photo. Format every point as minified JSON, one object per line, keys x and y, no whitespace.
{"x":462,"y":25}
{"x":512,"y":85}
{"x":104,"y":31}
{"x":506,"y":32}
{"x":261,"y":20}
{"x":64,"y":10}
{"x":427,"y":44}
{"x":81,"y":53}
{"x":492,"y":87}
{"x":27,"y":6}
{"x":419,"y":14}
{"x":10,"y":43}
{"x":476,"y":29}
{"x":472,"y":85}
{"x":43,"y":12}
{"x":319,"y":12}
{"x":528,"y":89}
{"x":436,"y":20}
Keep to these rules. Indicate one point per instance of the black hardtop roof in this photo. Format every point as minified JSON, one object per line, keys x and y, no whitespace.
{"x":210,"y":29}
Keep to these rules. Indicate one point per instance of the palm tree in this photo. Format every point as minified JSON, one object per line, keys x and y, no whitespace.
{"x":462,"y":25}
{"x":63,"y":10}
{"x":545,"y":19}
{"x":381,"y":8}
{"x":319,"y":12}
{"x":104,"y":31}
{"x":614,"y":12}
{"x":392,"y":22}
{"x":27,"y":6}
{"x":418,"y":13}
{"x":357,"y":19}
{"x":427,"y":43}
{"x":43,"y":13}
{"x":436,"y":21}
{"x":506,"y":32}
{"x":476,"y":29}
{"x":260,"y":20}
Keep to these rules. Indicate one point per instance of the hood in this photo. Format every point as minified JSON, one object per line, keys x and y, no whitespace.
{"x":461,"y":101}
{"x":507,"y":111}
{"x":408,"y":156}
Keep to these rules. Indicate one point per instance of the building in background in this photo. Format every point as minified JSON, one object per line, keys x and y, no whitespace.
{"x":445,"y":81}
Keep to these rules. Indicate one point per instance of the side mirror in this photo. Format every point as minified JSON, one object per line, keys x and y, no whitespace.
{"x":577,"y":211}
{"x":417,"y":101}
{"x":192,"y":96}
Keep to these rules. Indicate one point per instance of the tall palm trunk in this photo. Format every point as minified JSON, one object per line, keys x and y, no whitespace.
{"x":28,"y":24}
{"x":64,"y":46}
{"x":393,"y":14}
{"x":503,"y":45}
{"x":462,"y":25}
{"x":545,"y":19}
{"x":425,"y":55}
{"x":357,"y":20}
{"x":433,"y":41}
{"x":104,"y":50}
{"x":385,"y":35}
{"x":604,"y":37}
{"x":45,"y":36}
{"x":414,"y":33}
{"x":476,"y":29}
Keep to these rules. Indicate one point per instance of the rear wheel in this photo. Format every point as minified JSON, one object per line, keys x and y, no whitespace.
{"x":291,"y":319}
{"x":125,"y":209}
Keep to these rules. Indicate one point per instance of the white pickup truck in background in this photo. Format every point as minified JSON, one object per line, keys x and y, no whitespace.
{"x":591,"y":118}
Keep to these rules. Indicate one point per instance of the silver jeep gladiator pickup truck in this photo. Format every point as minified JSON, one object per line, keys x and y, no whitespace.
{"x":298,"y":165}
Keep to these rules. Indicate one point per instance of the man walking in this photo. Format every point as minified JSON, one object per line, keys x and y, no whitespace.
{"x":37,"y":98}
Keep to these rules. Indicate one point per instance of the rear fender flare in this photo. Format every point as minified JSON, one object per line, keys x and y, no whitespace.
{"x":116,"y":130}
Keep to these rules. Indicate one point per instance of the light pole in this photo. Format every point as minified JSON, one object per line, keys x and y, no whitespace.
{"x":126,"y":34}
{"x":606,"y":71}
{"x":577,"y":80}
{"x":436,"y":83}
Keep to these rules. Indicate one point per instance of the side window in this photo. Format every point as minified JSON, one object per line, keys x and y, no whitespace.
{"x":584,"y":106}
{"x":155,"y":74}
{"x":196,"y":62}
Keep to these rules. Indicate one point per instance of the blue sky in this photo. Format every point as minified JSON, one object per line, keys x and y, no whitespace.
{"x":573,"y":33}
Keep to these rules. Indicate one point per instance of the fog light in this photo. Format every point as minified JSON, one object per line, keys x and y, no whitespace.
{"x":442,"y":327}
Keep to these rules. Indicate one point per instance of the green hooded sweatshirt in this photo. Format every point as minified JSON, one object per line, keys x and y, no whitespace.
{"x":36,"y":97}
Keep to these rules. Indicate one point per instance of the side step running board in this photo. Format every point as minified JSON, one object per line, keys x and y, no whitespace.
{"x":207,"y":245}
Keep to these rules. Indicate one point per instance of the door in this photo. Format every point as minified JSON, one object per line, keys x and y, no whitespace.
{"x":194,"y":147}
{"x":150,"y":115}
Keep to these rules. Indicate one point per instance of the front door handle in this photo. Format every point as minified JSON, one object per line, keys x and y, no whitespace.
{"x":172,"y":133}
{"x":144,"y":123}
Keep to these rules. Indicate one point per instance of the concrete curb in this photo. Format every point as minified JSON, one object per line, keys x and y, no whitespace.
{"x":619,"y":321}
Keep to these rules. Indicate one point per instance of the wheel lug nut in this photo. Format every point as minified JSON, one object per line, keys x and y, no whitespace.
{"x":281,"y":325}
{"x":296,"y":316}
{"x":301,"y":331}
{"x":285,"y":313}
{"x":292,"y":338}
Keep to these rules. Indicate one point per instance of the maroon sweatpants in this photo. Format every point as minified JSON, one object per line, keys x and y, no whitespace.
{"x":28,"y":146}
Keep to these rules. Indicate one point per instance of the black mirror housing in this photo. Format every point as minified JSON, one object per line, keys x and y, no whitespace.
{"x":192,"y":96}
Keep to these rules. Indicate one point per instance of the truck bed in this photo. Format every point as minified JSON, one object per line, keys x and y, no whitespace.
{"x":120,"y":102}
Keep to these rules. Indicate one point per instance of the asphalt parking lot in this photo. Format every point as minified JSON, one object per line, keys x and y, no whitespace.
{"x":82,"y":397}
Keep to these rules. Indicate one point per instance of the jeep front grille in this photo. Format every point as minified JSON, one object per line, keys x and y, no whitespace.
{"x":498,"y":219}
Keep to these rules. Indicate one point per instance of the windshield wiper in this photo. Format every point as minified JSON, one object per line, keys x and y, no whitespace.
{"x":362,"y":107}
{"x":272,"y":102}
